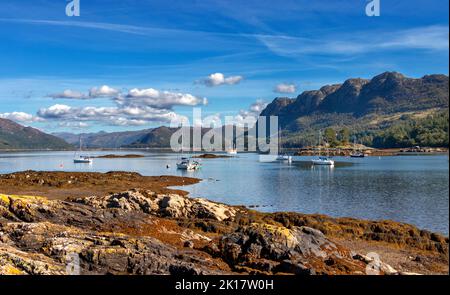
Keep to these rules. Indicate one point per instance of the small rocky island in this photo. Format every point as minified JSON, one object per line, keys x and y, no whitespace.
{"x":126,"y":223}
{"x":114,"y":156}
{"x":211,"y":156}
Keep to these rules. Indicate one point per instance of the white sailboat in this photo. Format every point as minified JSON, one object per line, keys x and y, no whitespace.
{"x":321,"y":160}
{"x":356,"y":153}
{"x":282,"y":157}
{"x":233,"y":150}
{"x":82,"y":159}
{"x":186,"y":163}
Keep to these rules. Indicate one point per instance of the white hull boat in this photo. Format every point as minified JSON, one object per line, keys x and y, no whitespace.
{"x":187,"y":164}
{"x":83,"y":160}
{"x":323,"y":161}
{"x":283,"y":158}
{"x":232,"y":152}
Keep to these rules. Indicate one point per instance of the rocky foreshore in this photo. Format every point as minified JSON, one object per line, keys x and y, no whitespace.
{"x":150,"y":229}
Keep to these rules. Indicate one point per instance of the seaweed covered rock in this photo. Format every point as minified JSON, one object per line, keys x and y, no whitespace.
{"x":46,"y":248}
{"x":298,"y":250}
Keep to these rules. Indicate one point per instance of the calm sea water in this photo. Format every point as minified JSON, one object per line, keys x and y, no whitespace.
{"x":412,"y":189}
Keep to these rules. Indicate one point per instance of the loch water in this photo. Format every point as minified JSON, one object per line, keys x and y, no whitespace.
{"x":411,"y":189}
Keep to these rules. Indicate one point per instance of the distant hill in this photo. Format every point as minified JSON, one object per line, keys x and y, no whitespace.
{"x":104,"y":139}
{"x":148,"y":138}
{"x":364,"y":106}
{"x":153,"y":138}
{"x":15,"y":136}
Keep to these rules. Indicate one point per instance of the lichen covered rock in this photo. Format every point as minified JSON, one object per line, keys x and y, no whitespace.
{"x":166,"y":205}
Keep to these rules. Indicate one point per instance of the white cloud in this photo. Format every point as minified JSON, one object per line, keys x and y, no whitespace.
{"x":103,"y":91}
{"x":76,"y":125}
{"x":122,"y":121}
{"x":108,"y":115}
{"x":20,"y":117}
{"x":250,"y":117}
{"x":158,"y":99}
{"x":211,"y":121}
{"x":218,"y":79}
{"x":55,"y":111}
{"x":94,"y":92}
{"x":285,"y":88}
{"x":258,"y":106}
{"x":69,"y":94}
{"x":138,"y":107}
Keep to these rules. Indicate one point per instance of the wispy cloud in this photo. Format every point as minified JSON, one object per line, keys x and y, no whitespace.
{"x":425,"y":38}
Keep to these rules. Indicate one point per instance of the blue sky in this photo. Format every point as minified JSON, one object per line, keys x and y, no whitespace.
{"x":157,"y":59}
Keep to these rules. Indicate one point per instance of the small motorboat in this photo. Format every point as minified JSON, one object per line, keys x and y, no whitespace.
{"x":357,"y":153}
{"x":323,"y":161}
{"x":283,"y":157}
{"x":187,"y":164}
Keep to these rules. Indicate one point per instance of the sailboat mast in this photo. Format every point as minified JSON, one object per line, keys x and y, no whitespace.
{"x":182,"y":139}
{"x":279,"y":137}
{"x":319,"y":142}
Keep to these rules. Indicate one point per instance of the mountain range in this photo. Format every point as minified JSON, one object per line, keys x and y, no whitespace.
{"x":364,"y":106}
{"x":385,"y":111}
{"x":387,"y":93}
{"x":148,"y":138}
{"x":15,"y":136}
{"x":104,"y":139}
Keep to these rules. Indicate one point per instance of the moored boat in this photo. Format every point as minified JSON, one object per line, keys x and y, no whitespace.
{"x":357,"y":155}
{"x":82,"y":159}
{"x":323,"y":161}
{"x":232,"y":151}
{"x":188,"y":164}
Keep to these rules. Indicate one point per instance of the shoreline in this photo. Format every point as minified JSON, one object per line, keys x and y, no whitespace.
{"x":145,"y":207}
{"x":306,"y":151}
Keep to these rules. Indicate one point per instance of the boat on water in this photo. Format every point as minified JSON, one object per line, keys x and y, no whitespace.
{"x":322,"y":160}
{"x":357,"y":153}
{"x":232,"y":151}
{"x":283,"y":157}
{"x":185,"y":162}
{"x":188,"y":164}
{"x":82,"y":159}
